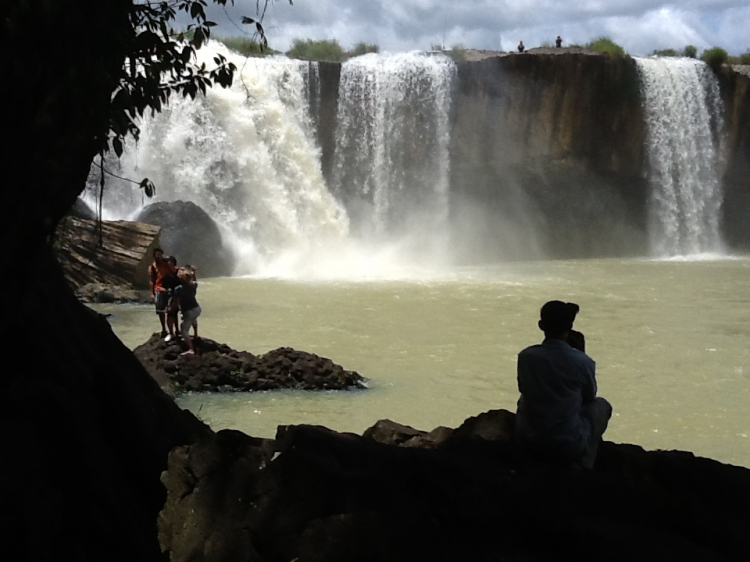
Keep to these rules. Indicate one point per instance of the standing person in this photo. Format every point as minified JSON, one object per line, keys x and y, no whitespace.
{"x":170,"y":283}
{"x":558,"y":42}
{"x":521,"y":47}
{"x":559,"y":417}
{"x":185,"y":293}
{"x":159,"y":295}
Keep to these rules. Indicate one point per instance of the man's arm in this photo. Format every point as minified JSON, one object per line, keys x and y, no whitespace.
{"x":589,"y":380}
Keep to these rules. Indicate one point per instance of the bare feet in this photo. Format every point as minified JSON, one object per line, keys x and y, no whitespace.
{"x":188,"y":352}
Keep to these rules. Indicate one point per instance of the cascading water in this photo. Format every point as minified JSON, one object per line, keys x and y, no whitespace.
{"x":684,"y":119}
{"x":247,"y":156}
{"x":391,"y":162}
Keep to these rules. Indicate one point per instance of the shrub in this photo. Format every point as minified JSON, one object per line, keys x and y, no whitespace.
{"x":606,"y":46}
{"x":457,"y":52}
{"x":363,"y":49}
{"x":309,"y":49}
{"x":691,"y":51}
{"x":714,"y":57}
{"x":665,"y":53}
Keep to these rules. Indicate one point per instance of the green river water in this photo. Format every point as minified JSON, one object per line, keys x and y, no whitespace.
{"x":671,"y":340}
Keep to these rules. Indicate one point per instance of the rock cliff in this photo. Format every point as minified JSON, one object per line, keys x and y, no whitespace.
{"x":547,"y":155}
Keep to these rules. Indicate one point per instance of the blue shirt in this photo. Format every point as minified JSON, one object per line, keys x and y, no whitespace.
{"x":555,"y":380}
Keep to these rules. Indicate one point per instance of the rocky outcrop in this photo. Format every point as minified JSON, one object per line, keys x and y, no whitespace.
{"x":111,"y":253}
{"x":191,"y":235}
{"x":547,"y":157}
{"x":468,"y":494}
{"x":735,"y":88}
{"x":216,"y":367}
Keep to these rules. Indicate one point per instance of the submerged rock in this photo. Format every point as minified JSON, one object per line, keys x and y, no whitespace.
{"x":469,"y":494}
{"x":216,"y":367}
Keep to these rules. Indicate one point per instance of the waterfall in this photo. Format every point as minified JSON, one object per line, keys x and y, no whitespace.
{"x":391,"y":163}
{"x":684,"y":120}
{"x":246,"y":155}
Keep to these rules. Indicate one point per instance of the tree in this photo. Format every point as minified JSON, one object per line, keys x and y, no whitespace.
{"x":85,"y":431}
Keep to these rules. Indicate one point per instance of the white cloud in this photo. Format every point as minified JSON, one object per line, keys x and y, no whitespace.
{"x":638,"y":25}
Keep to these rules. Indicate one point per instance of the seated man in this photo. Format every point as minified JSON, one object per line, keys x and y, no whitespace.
{"x":559,"y":417}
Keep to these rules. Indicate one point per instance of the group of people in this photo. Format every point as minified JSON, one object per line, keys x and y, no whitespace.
{"x":173,"y":290}
{"x":522,"y":48}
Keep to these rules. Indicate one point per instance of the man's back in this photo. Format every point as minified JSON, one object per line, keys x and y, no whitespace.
{"x":555,"y":381}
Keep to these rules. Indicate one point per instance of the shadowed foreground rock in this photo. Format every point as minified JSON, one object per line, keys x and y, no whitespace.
{"x":465,"y":494}
{"x":216,"y":367}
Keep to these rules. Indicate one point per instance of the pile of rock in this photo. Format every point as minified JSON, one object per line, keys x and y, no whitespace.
{"x":216,"y":367}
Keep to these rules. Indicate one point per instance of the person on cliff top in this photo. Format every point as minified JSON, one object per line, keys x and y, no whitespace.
{"x":170,"y":283}
{"x":558,"y":42}
{"x":521,"y":47}
{"x":159,"y":294}
{"x":185,"y":293}
{"x":559,"y":417}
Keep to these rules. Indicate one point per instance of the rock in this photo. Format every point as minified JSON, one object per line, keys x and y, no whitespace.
{"x":315,"y":494}
{"x":108,"y":293}
{"x":217,"y":367}
{"x":119,"y":262}
{"x":191,"y":235}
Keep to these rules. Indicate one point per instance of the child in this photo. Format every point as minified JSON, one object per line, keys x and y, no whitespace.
{"x":170,"y":283}
{"x":185,"y":294}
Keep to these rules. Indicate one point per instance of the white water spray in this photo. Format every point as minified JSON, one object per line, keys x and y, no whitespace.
{"x":391,"y":163}
{"x":684,"y":118}
{"x":247,"y":156}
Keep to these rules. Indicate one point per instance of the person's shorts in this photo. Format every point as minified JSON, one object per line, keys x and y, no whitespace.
{"x":161,"y":299}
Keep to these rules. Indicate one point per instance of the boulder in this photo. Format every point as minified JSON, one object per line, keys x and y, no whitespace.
{"x":216,"y":367}
{"x":315,"y":494}
{"x":191,"y":235}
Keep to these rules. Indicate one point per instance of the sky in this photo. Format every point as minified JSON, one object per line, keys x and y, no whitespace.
{"x":640,"y":26}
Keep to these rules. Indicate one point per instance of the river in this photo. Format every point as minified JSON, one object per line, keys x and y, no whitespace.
{"x":671,"y":339}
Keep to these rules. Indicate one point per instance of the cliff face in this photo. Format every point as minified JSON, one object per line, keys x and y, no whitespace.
{"x":551,"y":147}
{"x":735,"y":89}
{"x":548,"y":156}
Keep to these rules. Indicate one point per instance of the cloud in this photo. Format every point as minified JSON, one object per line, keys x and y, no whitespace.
{"x":639,"y":25}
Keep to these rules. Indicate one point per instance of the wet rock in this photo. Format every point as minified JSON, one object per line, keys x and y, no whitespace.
{"x":217,"y":367}
{"x":191,"y":235}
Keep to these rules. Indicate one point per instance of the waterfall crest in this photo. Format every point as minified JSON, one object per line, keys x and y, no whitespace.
{"x":684,"y":121}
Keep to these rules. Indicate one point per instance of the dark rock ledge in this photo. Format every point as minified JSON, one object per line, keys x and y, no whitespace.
{"x":216,"y":367}
{"x":400,"y":494}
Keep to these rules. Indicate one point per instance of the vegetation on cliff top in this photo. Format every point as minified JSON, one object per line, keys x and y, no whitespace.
{"x":606,"y":46}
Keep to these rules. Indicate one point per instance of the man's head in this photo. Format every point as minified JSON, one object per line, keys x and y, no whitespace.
{"x":158,"y":254}
{"x":556,"y":318}
{"x":172,"y":262}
